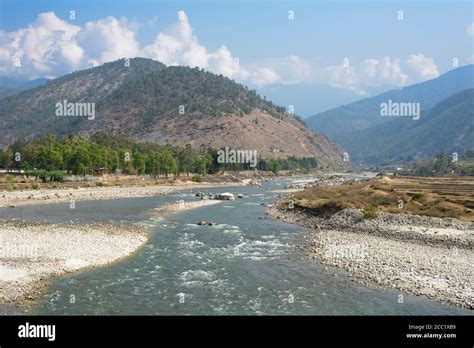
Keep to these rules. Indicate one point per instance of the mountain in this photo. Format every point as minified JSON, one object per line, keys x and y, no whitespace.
{"x":6,"y":91}
{"x":21,"y":84}
{"x":166,"y":105}
{"x":308,"y":99}
{"x":10,"y":86}
{"x":341,"y":122}
{"x":448,"y":126}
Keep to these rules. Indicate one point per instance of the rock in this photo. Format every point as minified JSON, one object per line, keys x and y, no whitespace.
{"x":205,"y":223}
{"x":240,"y":195}
{"x":225,"y":196}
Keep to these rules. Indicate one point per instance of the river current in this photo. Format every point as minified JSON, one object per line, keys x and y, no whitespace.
{"x":243,"y":264}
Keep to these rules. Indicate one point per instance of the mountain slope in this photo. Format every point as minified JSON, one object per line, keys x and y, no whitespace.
{"x":175,"y":105}
{"x":448,"y":126}
{"x":7,"y":91}
{"x":341,"y":122}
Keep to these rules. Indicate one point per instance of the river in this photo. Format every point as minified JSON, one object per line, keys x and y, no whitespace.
{"x":243,"y":264}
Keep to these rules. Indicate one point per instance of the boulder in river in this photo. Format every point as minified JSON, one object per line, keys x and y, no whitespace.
{"x":205,"y":223}
{"x":226,"y":196}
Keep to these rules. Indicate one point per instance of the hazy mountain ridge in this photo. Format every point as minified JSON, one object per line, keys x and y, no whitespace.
{"x":448,"y":126}
{"x":340,"y":122}
{"x":370,"y":138}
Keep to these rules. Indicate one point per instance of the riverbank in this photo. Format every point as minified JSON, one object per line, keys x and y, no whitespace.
{"x":47,"y":196}
{"x":32,"y":253}
{"x":420,"y":255}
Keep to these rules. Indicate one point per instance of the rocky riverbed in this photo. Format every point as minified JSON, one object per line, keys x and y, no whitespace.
{"x":31,"y":253}
{"x":179,"y":206}
{"x":48,"y":196}
{"x":421,"y":255}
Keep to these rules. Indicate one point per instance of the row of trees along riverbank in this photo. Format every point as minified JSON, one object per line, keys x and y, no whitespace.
{"x":50,"y":157}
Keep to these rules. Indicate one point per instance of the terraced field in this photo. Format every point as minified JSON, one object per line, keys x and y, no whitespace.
{"x":441,"y":197}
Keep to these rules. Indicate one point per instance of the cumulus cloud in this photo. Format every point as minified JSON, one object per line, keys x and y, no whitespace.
{"x":379,"y":72}
{"x":52,"y":47}
{"x":422,"y":68}
{"x":289,"y":70}
{"x":177,"y":45}
{"x":46,"y":47}
{"x":107,"y":40}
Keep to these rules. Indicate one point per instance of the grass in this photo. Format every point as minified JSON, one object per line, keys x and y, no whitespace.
{"x":439,"y":197}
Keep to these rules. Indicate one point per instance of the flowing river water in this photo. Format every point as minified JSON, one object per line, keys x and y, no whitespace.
{"x":244,"y":264}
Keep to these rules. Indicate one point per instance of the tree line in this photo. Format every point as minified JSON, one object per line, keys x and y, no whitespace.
{"x":443,"y":164}
{"x":51,"y":156}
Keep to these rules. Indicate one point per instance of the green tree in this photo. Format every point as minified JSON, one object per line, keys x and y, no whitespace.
{"x":49,"y":158}
{"x":274,"y":166}
{"x":139,"y":162}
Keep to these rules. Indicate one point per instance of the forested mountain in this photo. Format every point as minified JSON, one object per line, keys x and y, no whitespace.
{"x":448,"y":126}
{"x":176,"y":105}
{"x":6,"y":91}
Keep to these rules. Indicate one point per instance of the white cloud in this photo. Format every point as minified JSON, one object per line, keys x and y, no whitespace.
{"x":52,"y":47}
{"x":423,"y":68}
{"x":289,"y":70}
{"x":370,"y":72}
{"x":106,"y":40}
{"x":178,"y":46}
{"x":384,"y":72}
{"x":470,"y":29}
{"x":46,"y":47}
{"x":264,"y":76}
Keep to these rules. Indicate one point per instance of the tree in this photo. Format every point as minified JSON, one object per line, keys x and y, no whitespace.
{"x":49,"y":158}
{"x":441,"y":162}
{"x":186,"y":160}
{"x":274,"y":166}
{"x":139,"y":162}
{"x":168,"y":163}
{"x":2,"y":158}
{"x":203,"y":163}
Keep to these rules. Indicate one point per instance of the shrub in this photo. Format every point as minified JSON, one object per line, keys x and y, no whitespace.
{"x":35,"y":186}
{"x":41,"y":174}
{"x":417,"y":197}
{"x":99,"y":184}
{"x":369,"y":212}
{"x":196,"y":179}
{"x":56,"y":175}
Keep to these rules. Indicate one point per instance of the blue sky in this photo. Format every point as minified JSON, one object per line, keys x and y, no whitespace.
{"x":271,"y":49}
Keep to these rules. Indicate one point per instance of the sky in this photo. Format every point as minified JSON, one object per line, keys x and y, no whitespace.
{"x":353,"y":45}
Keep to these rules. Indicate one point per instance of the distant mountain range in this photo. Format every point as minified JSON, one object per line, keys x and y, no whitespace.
{"x":446,"y":121}
{"x":9,"y":86}
{"x":308,"y":99}
{"x":21,"y":84}
{"x":166,"y":105}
